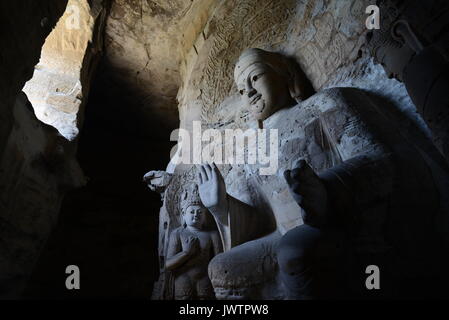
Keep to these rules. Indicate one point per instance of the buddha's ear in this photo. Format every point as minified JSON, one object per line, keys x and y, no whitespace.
{"x":403,"y":33}
{"x":294,"y":83}
{"x":299,"y":85}
{"x":182,"y":222}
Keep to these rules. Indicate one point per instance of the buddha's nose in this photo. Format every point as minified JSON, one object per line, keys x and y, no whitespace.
{"x":251,"y":93}
{"x":250,"y":90}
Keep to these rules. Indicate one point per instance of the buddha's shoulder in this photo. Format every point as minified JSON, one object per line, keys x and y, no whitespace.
{"x":338,"y":99}
{"x":336,"y":94}
{"x":325,"y":100}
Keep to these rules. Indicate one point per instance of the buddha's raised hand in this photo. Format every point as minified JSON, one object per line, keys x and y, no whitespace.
{"x":212,"y":190}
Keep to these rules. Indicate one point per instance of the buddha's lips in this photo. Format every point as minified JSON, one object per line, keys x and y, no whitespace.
{"x":255,"y":99}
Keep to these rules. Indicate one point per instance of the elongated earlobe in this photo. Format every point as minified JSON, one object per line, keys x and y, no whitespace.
{"x":403,"y":33}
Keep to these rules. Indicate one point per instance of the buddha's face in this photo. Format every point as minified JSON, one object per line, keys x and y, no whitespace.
{"x":396,"y":50}
{"x":195,"y":216}
{"x":263,"y":90}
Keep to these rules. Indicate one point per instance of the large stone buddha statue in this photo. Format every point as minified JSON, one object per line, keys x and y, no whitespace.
{"x":351,"y":190}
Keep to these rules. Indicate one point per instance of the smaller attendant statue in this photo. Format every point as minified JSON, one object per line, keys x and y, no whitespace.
{"x":190,"y":249}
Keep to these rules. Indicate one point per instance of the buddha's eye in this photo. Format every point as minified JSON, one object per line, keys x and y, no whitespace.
{"x":255,"y":78}
{"x":241,"y":91}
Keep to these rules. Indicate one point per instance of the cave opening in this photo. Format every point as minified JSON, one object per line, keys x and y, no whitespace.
{"x":109,"y":227}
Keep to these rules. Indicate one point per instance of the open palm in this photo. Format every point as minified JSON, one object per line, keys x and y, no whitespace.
{"x":212,"y":188}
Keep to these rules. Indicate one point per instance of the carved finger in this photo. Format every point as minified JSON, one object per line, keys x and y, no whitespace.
{"x":299,"y":163}
{"x":215,"y":171}
{"x":148,"y":176}
{"x":308,"y":174}
{"x":288,"y":178}
{"x":200,"y":178}
{"x":203,"y":173}
{"x":208,"y":171}
{"x":298,"y":167}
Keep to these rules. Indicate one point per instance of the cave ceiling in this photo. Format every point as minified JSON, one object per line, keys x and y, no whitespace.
{"x":145,"y":43}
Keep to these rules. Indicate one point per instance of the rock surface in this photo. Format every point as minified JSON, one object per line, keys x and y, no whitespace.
{"x":39,"y":166}
{"x":25,"y":25}
{"x":145,"y":44}
{"x":61,"y":79}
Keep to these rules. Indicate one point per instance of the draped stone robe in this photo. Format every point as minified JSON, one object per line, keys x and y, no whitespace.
{"x":380,"y":181}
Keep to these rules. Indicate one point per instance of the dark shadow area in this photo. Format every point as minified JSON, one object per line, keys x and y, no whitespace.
{"x":109,"y":228}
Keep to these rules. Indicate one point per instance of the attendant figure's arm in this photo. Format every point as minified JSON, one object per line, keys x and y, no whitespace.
{"x":180,"y":251}
{"x":157,"y":181}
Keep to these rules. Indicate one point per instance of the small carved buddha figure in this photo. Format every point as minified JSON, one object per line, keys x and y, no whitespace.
{"x":190,"y":249}
{"x":412,"y":46}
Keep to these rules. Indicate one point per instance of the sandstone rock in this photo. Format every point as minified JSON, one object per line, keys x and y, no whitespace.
{"x":37,"y":168}
{"x":145,"y":44}
{"x":26,"y":24}
{"x":61,"y":79}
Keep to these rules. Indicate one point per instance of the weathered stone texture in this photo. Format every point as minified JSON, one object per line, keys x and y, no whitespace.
{"x":25,"y":25}
{"x":38,"y":167}
{"x":145,"y":43}
{"x":61,"y":79}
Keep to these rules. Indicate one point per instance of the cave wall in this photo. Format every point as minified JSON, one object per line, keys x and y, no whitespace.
{"x":26,"y":24}
{"x":38,"y":168}
{"x":61,"y":81}
{"x":145,"y":42}
{"x":37,"y":164}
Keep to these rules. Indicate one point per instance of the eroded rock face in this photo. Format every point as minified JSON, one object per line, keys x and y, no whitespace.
{"x":61,"y":79}
{"x":27,"y":24}
{"x":145,"y":44}
{"x":37,"y":165}
{"x":37,"y":169}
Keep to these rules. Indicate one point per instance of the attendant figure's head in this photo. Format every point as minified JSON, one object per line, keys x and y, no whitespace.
{"x":195,"y":216}
{"x":194,"y":213}
{"x":269,"y":81}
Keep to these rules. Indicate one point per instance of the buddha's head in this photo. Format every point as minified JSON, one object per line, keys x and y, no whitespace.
{"x":398,"y":40}
{"x":269,"y":81}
